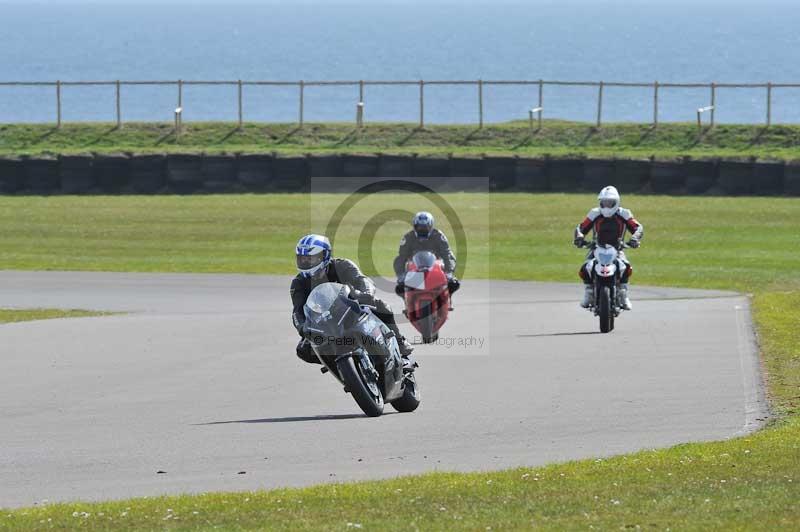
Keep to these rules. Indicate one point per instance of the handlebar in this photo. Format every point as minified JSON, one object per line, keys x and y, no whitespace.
{"x":593,"y":244}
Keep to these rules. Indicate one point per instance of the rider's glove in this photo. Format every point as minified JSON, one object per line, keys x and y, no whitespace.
{"x":400,"y":289}
{"x":633,"y":243}
{"x":579,"y":242}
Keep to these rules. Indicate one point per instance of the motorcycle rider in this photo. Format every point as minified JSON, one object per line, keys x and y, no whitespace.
{"x":423,"y":237}
{"x":609,"y":222}
{"x":316,"y":266}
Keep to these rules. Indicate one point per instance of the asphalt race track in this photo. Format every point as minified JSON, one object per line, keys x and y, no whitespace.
{"x":199,"y":380}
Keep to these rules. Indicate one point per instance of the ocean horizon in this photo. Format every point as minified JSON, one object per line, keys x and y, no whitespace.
{"x":612,"y":41}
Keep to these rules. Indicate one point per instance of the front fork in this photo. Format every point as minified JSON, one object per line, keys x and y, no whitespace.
{"x":600,"y":282}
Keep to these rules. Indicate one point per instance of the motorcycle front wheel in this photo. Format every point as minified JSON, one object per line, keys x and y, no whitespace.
{"x":356,"y":383}
{"x":605,"y":310}
{"x":426,"y":325}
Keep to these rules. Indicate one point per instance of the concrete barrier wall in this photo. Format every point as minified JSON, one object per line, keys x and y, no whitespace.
{"x":243,"y":172}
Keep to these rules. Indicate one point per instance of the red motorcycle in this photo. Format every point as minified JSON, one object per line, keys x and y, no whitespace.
{"x":426,"y":295}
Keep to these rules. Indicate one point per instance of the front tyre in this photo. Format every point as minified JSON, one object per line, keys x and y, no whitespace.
{"x":411,"y":396}
{"x":426,"y":326}
{"x":605,"y":310}
{"x":357,"y":384}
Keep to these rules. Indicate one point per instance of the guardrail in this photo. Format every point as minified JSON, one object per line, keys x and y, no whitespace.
{"x":480,"y":85}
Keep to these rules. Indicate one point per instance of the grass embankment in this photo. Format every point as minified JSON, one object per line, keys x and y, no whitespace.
{"x":744,"y":244}
{"x":555,"y":138}
{"x":17,"y":315}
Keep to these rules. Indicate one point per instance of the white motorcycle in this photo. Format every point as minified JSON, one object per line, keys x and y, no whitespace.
{"x":606,"y":270}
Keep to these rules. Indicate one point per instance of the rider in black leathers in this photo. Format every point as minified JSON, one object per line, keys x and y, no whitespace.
{"x":425,"y":238}
{"x":343,"y":271}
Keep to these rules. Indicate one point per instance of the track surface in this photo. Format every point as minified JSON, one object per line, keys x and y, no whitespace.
{"x":200,"y":381}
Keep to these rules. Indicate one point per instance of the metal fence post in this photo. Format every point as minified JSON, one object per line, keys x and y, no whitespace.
{"x":655,"y":104}
{"x":360,"y":115}
{"x":239,"y":100}
{"x":713,"y":102}
{"x":301,"y":118}
{"x":600,"y":105}
{"x":769,"y":104}
{"x":421,"y":104}
{"x":480,"y":103}
{"x":58,"y":104}
{"x":541,"y":101}
{"x":119,"y":106}
{"x":180,"y":93}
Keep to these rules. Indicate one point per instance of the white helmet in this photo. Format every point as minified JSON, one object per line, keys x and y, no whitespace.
{"x":423,"y":224}
{"x":313,"y":254}
{"x":609,"y":201}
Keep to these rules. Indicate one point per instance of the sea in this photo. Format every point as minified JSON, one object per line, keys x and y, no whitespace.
{"x":669,"y":41}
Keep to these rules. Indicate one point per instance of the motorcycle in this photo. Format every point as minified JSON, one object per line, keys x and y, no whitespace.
{"x":359,"y":350}
{"x":426,"y":295}
{"x":606,"y":271}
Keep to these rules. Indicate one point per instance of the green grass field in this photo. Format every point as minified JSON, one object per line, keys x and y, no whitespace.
{"x":746,"y":244}
{"x":555,"y":138}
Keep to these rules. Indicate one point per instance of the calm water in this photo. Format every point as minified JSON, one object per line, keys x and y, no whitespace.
{"x":672,"y":41}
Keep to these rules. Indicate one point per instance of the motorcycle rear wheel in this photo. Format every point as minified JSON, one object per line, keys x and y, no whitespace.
{"x":605,"y":311}
{"x":411,"y":396}
{"x":353,"y":379}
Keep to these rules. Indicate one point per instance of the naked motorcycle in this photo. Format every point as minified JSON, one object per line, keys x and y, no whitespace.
{"x":606,"y":270}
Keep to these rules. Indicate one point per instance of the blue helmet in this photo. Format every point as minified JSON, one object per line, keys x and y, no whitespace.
{"x":313,"y":254}
{"x":423,"y":224}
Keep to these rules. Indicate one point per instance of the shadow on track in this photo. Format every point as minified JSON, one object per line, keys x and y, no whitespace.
{"x":291,"y":419}
{"x":557,"y":334}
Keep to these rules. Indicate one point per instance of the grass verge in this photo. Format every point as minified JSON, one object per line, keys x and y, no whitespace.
{"x":17,"y":315}
{"x":555,"y":138}
{"x":743,"y":244}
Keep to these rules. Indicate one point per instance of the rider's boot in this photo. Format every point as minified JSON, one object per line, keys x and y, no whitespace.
{"x":588,"y":293}
{"x":624,"y":300}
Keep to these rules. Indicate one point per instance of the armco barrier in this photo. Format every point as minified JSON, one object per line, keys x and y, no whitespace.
{"x":254,"y":171}
{"x":467,"y":174}
{"x":76,"y":173}
{"x":530,"y":174}
{"x":198,"y":173}
{"x":430,"y":166}
{"x":148,"y":173}
{"x":467,"y":166}
{"x":791,"y":178}
{"x":289,"y":174}
{"x":325,"y":165}
{"x":598,"y":173}
{"x":360,"y":165}
{"x":768,"y":178}
{"x":183,"y":173}
{"x":501,"y":172}
{"x":736,"y":177}
{"x":631,"y":174}
{"x":12,"y":175}
{"x":395,"y":165}
{"x":218,"y":173}
{"x":668,"y":176}
{"x":564,"y":174}
{"x":701,"y":175}
{"x":112,"y":172}
{"x":41,"y":175}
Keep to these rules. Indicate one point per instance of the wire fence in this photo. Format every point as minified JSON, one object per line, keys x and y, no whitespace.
{"x":535,"y":112}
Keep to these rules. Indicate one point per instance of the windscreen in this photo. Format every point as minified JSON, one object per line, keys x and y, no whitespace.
{"x":605,"y":255}
{"x":321,"y":302}
{"x":424,"y":260}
